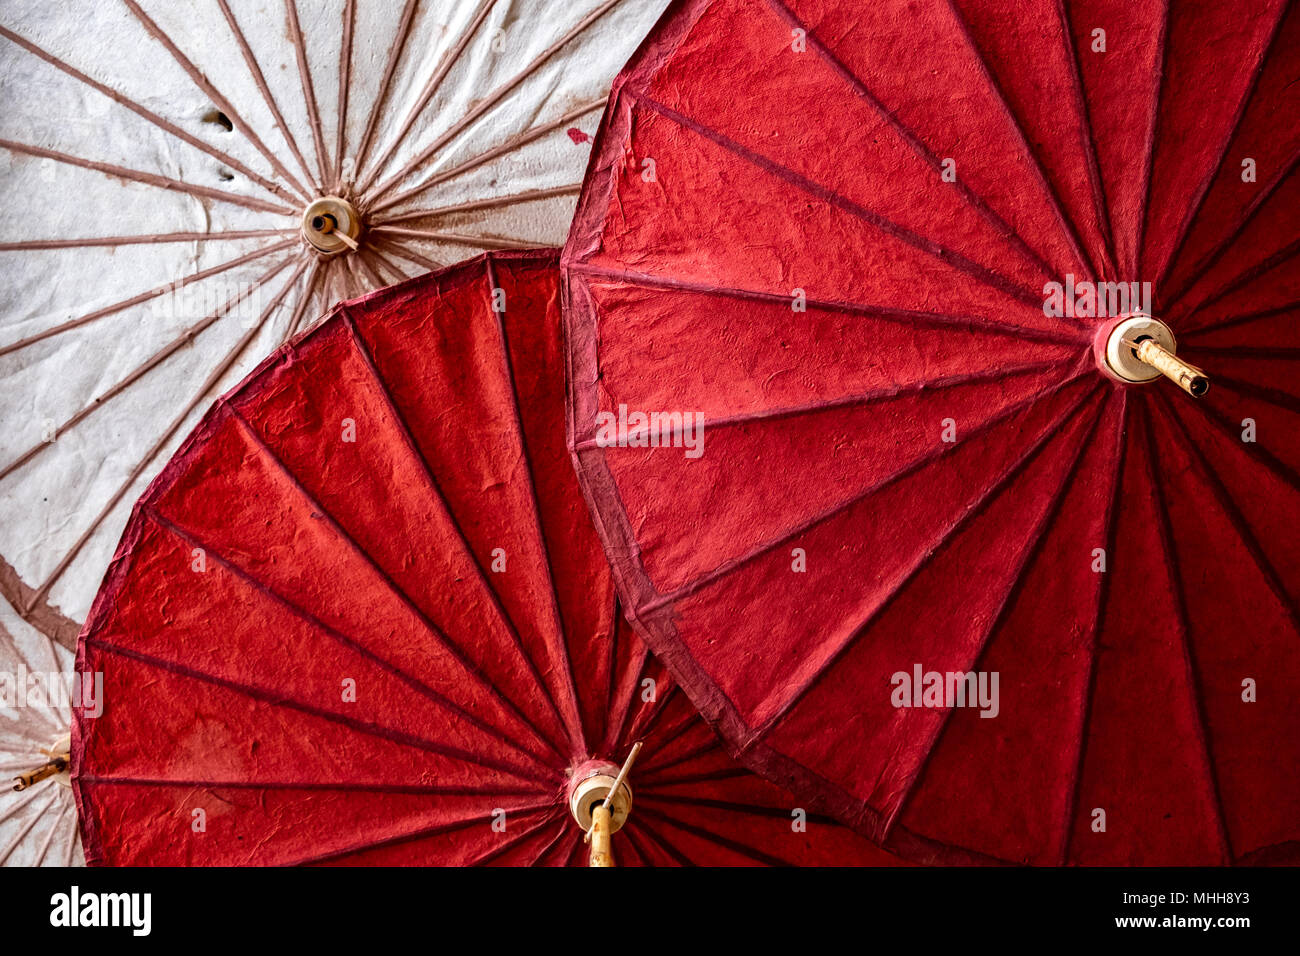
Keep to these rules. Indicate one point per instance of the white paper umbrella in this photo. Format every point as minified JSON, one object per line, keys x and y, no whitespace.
{"x":38,"y":825}
{"x":188,"y":183}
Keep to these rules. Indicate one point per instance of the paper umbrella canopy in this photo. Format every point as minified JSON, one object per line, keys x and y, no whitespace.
{"x":187,"y":184}
{"x":363,"y":617}
{"x":945,"y":560}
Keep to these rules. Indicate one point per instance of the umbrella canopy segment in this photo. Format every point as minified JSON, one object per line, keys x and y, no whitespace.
{"x":188,"y":185}
{"x":870,"y":309}
{"x":363,"y":617}
{"x":38,"y":824}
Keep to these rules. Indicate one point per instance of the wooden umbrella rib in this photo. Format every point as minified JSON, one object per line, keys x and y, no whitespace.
{"x":255,"y":71}
{"x":145,"y":296}
{"x":410,"y":255}
{"x":510,"y":145}
{"x":148,"y":179}
{"x":413,"y":447}
{"x":211,"y":91}
{"x":55,"y":828}
{"x":1192,"y":673}
{"x":972,"y":510}
{"x":25,"y":245}
{"x":308,"y":90}
{"x":394,"y":57}
{"x":489,"y":101}
{"x":21,"y":835}
{"x":345,"y":80}
{"x":1028,"y":558}
{"x":1023,"y":294}
{"x":904,"y":471}
{"x":1193,"y":209}
{"x":148,"y":115}
{"x":489,"y":243}
{"x":472,"y":671}
{"x":363,"y":264}
{"x":430,"y":88}
{"x":364,"y":728}
{"x":161,"y":355}
{"x":910,"y":137}
{"x":1110,"y":524}
{"x":200,"y":394}
{"x":304,"y":301}
{"x":474,"y":205}
{"x":563,"y":660}
{"x":1067,"y":225}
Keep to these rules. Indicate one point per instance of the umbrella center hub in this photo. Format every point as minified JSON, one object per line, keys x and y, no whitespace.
{"x":331,"y":226}
{"x":588,"y":788}
{"x":1136,"y":347}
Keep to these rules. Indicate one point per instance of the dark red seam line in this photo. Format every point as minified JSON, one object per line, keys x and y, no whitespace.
{"x":1152,"y":141}
{"x":1096,"y":182}
{"x":441,"y":636}
{"x":1111,"y":522}
{"x":955,"y":260}
{"x":910,"y":318}
{"x":546,"y":851}
{"x":1038,"y":538}
{"x":712,"y":744}
{"x":313,"y":786}
{"x":973,"y":510}
{"x":638,"y":825}
{"x":691,"y":587}
{"x":577,"y":730}
{"x":498,"y":852}
{"x":616,"y":714}
{"x":750,"y":809}
{"x":1266,"y":458}
{"x":1234,"y":321}
{"x":661,"y":783}
{"x":1242,"y":280}
{"x":1212,"y":173}
{"x":910,"y":137}
{"x":366,"y":728}
{"x":736,"y":846}
{"x":1269,"y":395}
{"x":413,"y":447}
{"x":1066,"y":223}
{"x":1191,"y":672}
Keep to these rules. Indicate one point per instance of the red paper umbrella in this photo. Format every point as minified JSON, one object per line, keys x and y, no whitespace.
{"x":363,"y":617}
{"x":938,"y":560}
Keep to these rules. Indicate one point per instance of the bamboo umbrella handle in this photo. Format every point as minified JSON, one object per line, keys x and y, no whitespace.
{"x":1189,"y":378}
{"x":601,"y":821}
{"x":32,"y":777}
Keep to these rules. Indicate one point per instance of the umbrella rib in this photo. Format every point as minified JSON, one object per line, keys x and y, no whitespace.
{"x":577,"y":844}
{"x":870,"y":397}
{"x":413,"y":447}
{"x":217,"y":98}
{"x":345,"y":77}
{"x":148,"y":179}
{"x":304,"y":301}
{"x":910,"y":137}
{"x":208,"y":384}
{"x":438,"y":829}
{"x":744,"y":849}
{"x":1028,"y":558}
{"x":363,"y":727}
{"x":411,"y":681}
{"x":387,"y":263}
{"x":396,"y":49}
{"x":1152,"y":140}
{"x":308,"y":90}
{"x":910,"y":318}
{"x":906,"y":470}
{"x":1192,"y":671}
{"x":150,"y":363}
{"x":953,"y":260}
{"x":489,"y":101}
{"x":144,"y":297}
{"x":493,"y":243}
{"x":1111,"y":525}
{"x":1265,"y":458}
{"x":1202,"y":193}
{"x":408,"y":254}
{"x":615,"y":720}
{"x":24,"y":245}
{"x":363,"y":266}
{"x":473,"y":205}
{"x":1279,"y":399}
{"x":713,"y":776}
{"x":638,"y":825}
{"x":311,"y":786}
{"x":259,"y":79}
{"x":52,"y":790}
{"x":54,"y":828}
{"x":563,"y":661}
{"x":711,"y":745}
{"x":733,"y":806}
{"x":496,"y":852}
{"x":642,"y":858}
{"x":1212,"y":256}
{"x":546,"y":851}
{"x":1234,"y":515}
{"x":1066,"y":223}
{"x":1242,"y":280}
{"x":146,"y":114}
{"x":1233,"y":321}
{"x":523,"y":139}
{"x":1096,"y":181}
{"x":972,"y":511}
{"x":430,"y":87}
